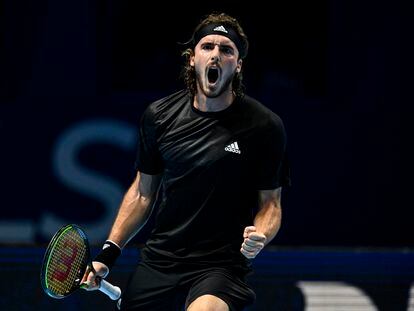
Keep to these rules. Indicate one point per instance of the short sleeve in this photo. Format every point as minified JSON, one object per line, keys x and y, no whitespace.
{"x":272,"y":168}
{"x":148,"y":159}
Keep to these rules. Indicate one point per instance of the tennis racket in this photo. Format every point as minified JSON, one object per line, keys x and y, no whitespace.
{"x":66,"y":259}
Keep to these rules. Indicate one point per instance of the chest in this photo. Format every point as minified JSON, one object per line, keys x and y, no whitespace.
{"x":224,"y":146}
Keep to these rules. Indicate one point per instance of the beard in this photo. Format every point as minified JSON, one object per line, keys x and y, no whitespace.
{"x":216,"y":91}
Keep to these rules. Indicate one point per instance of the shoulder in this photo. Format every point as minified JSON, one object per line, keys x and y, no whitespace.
{"x":262,"y":115}
{"x":165,"y":104}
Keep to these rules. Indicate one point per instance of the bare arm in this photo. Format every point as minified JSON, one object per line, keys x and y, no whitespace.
{"x":266,"y":223}
{"x":269,"y":217}
{"x":133,"y":213}
{"x":135,"y":208}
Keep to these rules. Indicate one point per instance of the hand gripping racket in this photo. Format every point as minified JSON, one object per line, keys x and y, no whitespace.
{"x":66,"y":259}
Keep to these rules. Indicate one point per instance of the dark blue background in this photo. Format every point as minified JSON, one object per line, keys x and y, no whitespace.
{"x":337,"y":72}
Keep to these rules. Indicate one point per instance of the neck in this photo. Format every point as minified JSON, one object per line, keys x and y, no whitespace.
{"x":210,"y":104}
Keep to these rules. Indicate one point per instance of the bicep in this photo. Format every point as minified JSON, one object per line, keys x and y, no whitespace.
{"x":271,"y":168}
{"x":148,"y":157}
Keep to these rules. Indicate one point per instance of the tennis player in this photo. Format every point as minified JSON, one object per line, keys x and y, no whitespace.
{"x":213,"y":162}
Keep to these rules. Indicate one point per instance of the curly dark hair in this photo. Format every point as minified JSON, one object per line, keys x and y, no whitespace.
{"x":188,"y":72}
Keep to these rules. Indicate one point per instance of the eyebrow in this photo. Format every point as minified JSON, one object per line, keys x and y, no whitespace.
{"x":226,"y":45}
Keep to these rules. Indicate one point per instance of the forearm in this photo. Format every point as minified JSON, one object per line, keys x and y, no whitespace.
{"x":131,"y":217}
{"x":268,"y":220}
{"x":133,"y":213}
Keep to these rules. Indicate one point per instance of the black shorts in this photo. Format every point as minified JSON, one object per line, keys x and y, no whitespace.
{"x":175,"y":288}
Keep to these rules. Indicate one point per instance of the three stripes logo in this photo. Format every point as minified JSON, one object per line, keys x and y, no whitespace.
{"x":233,"y":147}
{"x":220,"y":28}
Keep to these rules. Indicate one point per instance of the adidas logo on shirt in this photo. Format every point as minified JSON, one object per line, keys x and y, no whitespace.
{"x":220,"y":28}
{"x":233,"y":147}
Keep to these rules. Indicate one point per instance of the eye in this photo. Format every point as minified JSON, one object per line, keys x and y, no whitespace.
{"x":227,"y":50}
{"x":207,"y":46}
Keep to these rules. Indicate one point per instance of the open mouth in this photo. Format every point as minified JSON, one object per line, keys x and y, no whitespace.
{"x":212,"y":75}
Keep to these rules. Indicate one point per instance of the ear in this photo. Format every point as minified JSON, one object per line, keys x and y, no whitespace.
{"x":239,"y":65}
{"x":192,"y":60}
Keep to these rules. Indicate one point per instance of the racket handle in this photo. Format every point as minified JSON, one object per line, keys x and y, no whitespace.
{"x":113,"y":292}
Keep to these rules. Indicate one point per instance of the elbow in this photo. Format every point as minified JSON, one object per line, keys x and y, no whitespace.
{"x":143,"y":201}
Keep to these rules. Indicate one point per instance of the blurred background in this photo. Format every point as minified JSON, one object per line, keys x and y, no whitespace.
{"x":75,"y":76}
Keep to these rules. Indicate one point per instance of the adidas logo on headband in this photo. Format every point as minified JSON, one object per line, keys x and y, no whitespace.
{"x":220,"y":28}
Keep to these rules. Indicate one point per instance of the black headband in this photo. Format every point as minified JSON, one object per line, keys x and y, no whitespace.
{"x":219,"y":29}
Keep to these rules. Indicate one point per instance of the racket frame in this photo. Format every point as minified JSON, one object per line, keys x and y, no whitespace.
{"x":46,"y":261}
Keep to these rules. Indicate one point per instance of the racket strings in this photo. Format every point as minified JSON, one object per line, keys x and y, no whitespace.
{"x":67,"y":258}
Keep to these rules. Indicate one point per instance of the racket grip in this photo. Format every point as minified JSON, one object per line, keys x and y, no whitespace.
{"x":113,"y":292}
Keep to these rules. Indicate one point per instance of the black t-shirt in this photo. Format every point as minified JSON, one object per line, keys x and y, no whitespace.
{"x":213,"y":164}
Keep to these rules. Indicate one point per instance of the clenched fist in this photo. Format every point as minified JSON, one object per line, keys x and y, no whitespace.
{"x":253,"y":242}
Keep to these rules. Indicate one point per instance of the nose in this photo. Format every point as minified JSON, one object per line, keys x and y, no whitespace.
{"x":215,"y":54}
